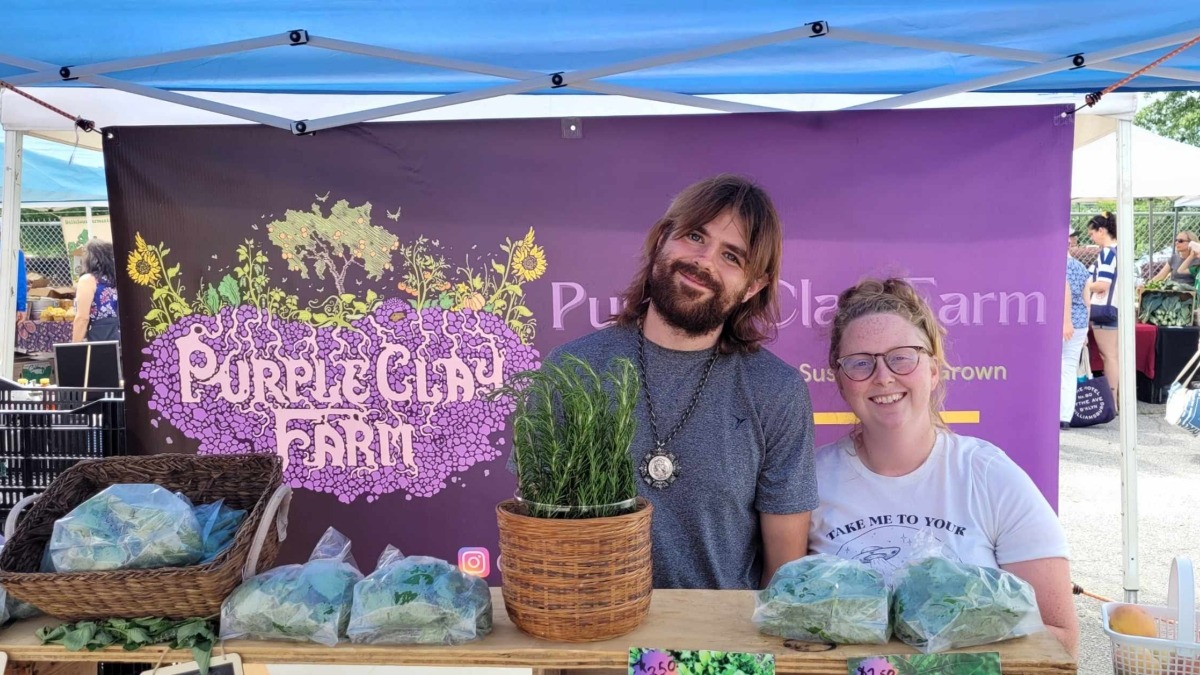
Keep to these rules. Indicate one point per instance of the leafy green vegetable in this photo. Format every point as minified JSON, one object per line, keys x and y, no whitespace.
{"x":309,"y":602}
{"x":938,"y":605}
{"x":218,"y":527}
{"x":133,"y":634}
{"x":128,"y":526}
{"x":12,"y":608}
{"x":823,"y":598}
{"x":419,"y":600}
{"x":1167,"y":305}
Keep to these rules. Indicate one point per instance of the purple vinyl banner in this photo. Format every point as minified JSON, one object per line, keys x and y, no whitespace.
{"x":346,"y":300}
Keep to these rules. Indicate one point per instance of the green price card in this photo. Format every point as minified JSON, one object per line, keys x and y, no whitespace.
{"x":985,"y":663}
{"x":698,"y":662}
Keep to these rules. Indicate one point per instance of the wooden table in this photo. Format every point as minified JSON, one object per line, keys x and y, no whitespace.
{"x":718,"y":620}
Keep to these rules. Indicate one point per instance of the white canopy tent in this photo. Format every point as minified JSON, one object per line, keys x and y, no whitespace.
{"x":1079,"y":55}
{"x":1161,"y":167}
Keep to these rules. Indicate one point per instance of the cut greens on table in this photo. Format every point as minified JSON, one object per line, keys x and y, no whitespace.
{"x":419,"y":600}
{"x":133,"y":634}
{"x":309,"y":602}
{"x":938,"y":604}
{"x":823,"y":598}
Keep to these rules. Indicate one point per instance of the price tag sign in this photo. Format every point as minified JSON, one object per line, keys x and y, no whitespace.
{"x":983,"y":663}
{"x":690,"y":662}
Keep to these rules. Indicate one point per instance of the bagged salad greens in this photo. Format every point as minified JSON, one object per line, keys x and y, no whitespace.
{"x":419,"y":600}
{"x":300,"y":603}
{"x":127,"y":526}
{"x":939,"y":604}
{"x":823,"y":598}
{"x":218,"y":527}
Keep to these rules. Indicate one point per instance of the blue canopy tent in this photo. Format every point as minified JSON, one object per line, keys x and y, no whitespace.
{"x":48,"y":180}
{"x":700,"y":54}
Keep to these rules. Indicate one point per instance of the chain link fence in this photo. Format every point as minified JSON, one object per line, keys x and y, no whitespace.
{"x":50,"y":238}
{"x":1153,"y":235}
{"x":46,"y":251}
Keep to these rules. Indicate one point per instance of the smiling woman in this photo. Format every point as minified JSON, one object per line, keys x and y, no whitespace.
{"x":903,"y":477}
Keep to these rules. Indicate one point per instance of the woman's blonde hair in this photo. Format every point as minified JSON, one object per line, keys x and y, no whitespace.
{"x":1190,"y":236}
{"x":893,"y":296}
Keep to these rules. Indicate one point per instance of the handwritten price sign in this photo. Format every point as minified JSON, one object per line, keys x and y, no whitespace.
{"x":697,"y":662}
{"x":986,"y":663}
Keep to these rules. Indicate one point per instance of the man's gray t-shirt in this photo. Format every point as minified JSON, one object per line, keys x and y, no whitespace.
{"x":747,"y":448}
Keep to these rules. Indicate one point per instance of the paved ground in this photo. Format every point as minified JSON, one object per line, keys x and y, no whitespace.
{"x":1090,"y":508}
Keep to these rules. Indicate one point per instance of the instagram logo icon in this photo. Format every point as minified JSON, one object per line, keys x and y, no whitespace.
{"x":475,"y":561}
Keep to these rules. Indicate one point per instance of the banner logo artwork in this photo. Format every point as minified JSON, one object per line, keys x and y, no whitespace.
{"x":359,"y":396}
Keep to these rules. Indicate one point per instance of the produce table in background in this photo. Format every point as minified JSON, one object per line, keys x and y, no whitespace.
{"x":1173,"y":347}
{"x":41,"y":336}
{"x":716,"y":620}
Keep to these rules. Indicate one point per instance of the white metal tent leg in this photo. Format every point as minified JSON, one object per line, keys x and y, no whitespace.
{"x":10,"y":234}
{"x":1126,"y":354}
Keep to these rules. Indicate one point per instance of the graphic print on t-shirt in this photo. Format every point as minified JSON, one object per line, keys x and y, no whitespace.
{"x":885,"y":542}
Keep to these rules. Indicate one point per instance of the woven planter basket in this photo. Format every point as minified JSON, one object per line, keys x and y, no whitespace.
{"x":243,"y":481}
{"x":576,"y":580}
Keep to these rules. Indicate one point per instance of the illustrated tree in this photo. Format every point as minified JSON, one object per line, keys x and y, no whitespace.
{"x":334,"y":243}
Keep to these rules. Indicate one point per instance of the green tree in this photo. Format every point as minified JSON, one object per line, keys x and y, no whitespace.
{"x":334,"y":243}
{"x":1176,"y":115}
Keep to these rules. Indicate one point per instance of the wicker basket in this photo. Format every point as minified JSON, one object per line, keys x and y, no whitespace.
{"x":576,"y":580}
{"x":250,"y":482}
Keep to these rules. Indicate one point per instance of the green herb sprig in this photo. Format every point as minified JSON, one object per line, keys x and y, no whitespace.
{"x":197,"y":634}
{"x":572,"y":429}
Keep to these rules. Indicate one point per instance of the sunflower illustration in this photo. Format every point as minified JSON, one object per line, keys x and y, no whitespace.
{"x":143,"y":266}
{"x":529,"y":260}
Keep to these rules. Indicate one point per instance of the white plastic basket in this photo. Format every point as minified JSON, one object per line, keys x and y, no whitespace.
{"x":1176,"y":649}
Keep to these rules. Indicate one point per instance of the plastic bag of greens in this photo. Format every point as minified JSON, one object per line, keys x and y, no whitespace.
{"x":218,"y":527}
{"x":19,"y":609}
{"x":823,"y":598}
{"x":300,"y":603}
{"x":127,"y":526}
{"x":939,"y":604}
{"x":419,"y":600}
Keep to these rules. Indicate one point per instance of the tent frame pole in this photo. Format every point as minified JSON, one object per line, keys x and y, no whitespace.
{"x":1037,"y":70}
{"x":54,"y":73}
{"x":10,"y":235}
{"x":526,"y":81}
{"x":1127,"y":396}
{"x":1003,"y":53}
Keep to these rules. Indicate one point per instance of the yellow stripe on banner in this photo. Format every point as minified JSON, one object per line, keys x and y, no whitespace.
{"x":846,"y":418}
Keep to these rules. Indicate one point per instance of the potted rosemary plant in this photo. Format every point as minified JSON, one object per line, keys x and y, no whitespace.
{"x":575,"y":540}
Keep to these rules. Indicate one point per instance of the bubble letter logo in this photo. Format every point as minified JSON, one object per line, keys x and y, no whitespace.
{"x":474,"y":560}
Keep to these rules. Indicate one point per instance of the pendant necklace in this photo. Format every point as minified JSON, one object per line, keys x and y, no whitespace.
{"x":660,"y":468}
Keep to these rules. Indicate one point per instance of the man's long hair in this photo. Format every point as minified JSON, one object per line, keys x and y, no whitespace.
{"x":754,"y":321}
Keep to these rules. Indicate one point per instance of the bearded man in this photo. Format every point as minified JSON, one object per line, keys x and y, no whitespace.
{"x":725,"y":428}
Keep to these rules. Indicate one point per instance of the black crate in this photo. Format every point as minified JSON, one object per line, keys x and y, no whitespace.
{"x":123,"y":668}
{"x":44,"y":431}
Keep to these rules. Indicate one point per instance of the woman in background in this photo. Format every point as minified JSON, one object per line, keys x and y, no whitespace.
{"x":1183,"y":264}
{"x":96,"y":296}
{"x":1103,"y":287}
{"x":1075,"y":329}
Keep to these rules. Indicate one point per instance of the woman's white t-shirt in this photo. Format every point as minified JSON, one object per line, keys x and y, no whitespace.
{"x":968,"y":495}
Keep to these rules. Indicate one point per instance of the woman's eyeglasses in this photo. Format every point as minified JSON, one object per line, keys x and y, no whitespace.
{"x":901,"y":361}
{"x":1182,"y":241}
